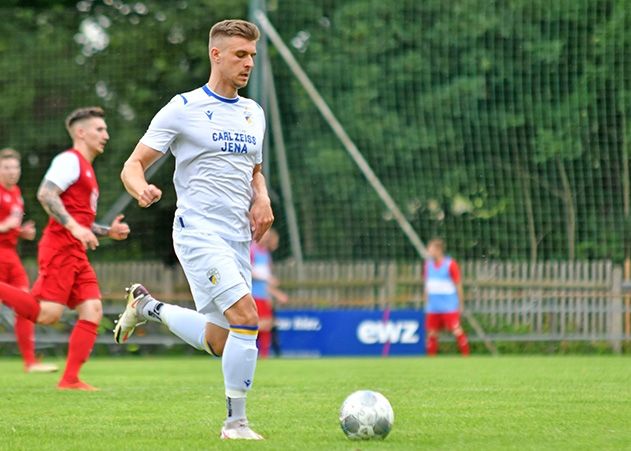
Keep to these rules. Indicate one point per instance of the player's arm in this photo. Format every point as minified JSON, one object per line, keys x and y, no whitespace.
{"x":261,"y":215}
{"x":460,"y":292}
{"x":48,"y":195}
{"x":454,"y":272}
{"x":10,"y":223}
{"x":118,"y":230}
{"x":278,"y":294}
{"x":133,"y":175}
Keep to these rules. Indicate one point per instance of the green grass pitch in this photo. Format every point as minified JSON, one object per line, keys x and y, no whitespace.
{"x":448,"y":403}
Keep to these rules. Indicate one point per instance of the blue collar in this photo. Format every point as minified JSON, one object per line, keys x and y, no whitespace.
{"x":208,"y":91}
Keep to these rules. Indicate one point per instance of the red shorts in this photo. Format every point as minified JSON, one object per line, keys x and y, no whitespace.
{"x":11,"y":269}
{"x":65,"y":277}
{"x":264,"y":307}
{"x":438,"y":321}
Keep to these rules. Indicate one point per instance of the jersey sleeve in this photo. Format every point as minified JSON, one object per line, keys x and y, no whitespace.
{"x":454,"y":271}
{"x":64,"y":170}
{"x":164,"y":127}
{"x":259,"y":157}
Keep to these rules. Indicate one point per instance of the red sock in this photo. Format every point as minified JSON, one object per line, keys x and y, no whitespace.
{"x":79,"y":347}
{"x":25,"y":336}
{"x":22,"y":302}
{"x":264,"y":342}
{"x":463,"y":343}
{"x":432,"y":345}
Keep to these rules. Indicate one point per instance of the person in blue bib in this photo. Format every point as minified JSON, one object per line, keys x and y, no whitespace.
{"x":444,"y":297}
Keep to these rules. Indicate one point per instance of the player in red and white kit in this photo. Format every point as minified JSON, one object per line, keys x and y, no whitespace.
{"x":69,"y":194}
{"x":445,"y":297}
{"x":11,"y":270}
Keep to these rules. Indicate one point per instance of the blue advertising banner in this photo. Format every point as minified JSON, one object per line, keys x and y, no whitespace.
{"x":351,"y":332}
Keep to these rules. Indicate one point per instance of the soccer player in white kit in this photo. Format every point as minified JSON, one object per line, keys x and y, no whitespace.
{"x":216,"y":138}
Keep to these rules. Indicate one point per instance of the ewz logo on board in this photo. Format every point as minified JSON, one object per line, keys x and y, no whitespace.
{"x":372,"y":332}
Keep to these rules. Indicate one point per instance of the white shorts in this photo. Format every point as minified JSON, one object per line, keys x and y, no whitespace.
{"x":218,"y":271}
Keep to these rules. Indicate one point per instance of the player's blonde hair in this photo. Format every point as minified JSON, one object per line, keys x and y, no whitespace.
{"x":80,"y":114}
{"x":233,"y":27}
{"x":8,"y":153}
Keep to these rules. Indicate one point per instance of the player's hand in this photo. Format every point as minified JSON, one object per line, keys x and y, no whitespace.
{"x":150,"y":195}
{"x":261,"y":217}
{"x":12,"y":222}
{"x":282,"y":297}
{"x":28,"y":231}
{"x":85,"y":235}
{"x":119,"y":230}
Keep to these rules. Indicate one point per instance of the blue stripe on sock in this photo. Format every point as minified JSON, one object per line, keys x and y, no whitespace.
{"x":238,"y":326}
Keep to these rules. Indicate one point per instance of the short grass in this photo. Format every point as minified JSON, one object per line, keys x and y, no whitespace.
{"x":446,"y":403}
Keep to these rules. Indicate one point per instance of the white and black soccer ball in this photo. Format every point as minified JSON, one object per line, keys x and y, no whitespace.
{"x":366,"y":414}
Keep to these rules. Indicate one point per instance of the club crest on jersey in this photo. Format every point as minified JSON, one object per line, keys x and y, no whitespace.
{"x":248,"y":116}
{"x":213,"y":276}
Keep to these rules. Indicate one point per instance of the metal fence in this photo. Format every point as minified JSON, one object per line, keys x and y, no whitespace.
{"x":548,"y":301}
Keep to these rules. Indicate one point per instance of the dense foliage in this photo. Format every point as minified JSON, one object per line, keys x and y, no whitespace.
{"x":501,"y":125}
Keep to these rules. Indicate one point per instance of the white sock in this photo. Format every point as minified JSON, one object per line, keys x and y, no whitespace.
{"x":187,"y":324}
{"x":235,"y":408}
{"x":238,"y":364}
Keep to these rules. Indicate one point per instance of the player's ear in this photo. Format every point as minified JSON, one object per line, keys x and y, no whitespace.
{"x":215,"y":54}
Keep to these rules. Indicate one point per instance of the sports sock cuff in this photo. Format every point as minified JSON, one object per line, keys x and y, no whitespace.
{"x":88,"y":326}
{"x":243,"y":331}
{"x":235,"y":394}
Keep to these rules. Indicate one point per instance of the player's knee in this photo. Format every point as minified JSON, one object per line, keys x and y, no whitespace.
{"x":48,"y":318}
{"x":457,"y":331}
{"x":91,"y":311}
{"x":243,"y":312}
{"x":432,"y":333}
{"x":49,"y":313}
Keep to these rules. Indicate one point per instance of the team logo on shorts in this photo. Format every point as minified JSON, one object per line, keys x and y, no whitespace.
{"x":214,"y":276}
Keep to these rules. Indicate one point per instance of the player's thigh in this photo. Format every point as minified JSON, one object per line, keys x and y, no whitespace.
{"x":452,"y":321}
{"x":11,"y":269}
{"x":264,"y":309}
{"x":85,"y":294}
{"x":432,"y":322}
{"x":50,"y":312}
{"x":19,"y":277}
{"x":212,"y":270}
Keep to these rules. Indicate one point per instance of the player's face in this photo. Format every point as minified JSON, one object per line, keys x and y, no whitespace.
{"x":10,"y":171}
{"x":94,"y":134}
{"x":236,"y":60}
{"x":434,"y":251}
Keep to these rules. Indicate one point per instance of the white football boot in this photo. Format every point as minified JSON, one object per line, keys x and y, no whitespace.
{"x":39,"y":367}
{"x":129,"y":320}
{"x":238,"y":430}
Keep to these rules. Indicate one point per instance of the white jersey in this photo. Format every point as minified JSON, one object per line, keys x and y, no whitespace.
{"x":216,"y":143}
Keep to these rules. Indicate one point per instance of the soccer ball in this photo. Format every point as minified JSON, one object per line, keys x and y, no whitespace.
{"x":366,"y":414}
